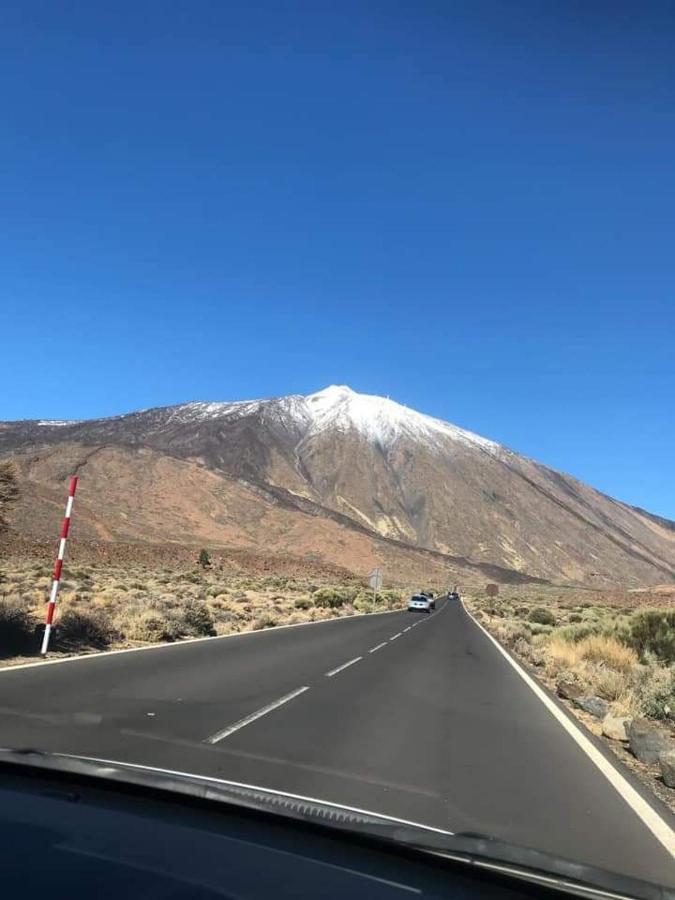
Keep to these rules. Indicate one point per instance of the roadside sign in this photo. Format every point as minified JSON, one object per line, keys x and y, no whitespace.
{"x":376,"y":579}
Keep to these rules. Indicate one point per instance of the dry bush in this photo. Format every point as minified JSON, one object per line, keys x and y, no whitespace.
{"x":596,"y":648}
{"x":76,"y":630}
{"x":17,"y":629}
{"x":608,"y":651}
{"x":197,"y":620}
{"x":265,"y":621}
{"x":610,"y":684}
{"x":540,"y":615}
{"x":149,"y":625}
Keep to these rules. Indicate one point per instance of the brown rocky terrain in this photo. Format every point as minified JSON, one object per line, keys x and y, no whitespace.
{"x":339,"y":477}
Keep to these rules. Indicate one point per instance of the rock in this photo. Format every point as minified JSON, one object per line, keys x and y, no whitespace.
{"x":616,"y":727}
{"x":646,"y":740}
{"x":667,"y":763}
{"x":596,"y":706}
{"x":568,"y":690}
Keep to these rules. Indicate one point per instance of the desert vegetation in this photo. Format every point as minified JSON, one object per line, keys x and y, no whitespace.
{"x":103,"y":605}
{"x":611,"y":646}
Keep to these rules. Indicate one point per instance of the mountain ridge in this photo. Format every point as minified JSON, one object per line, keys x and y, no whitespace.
{"x":379,"y":468}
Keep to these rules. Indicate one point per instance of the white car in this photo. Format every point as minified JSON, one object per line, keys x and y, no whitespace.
{"x":419,"y":603}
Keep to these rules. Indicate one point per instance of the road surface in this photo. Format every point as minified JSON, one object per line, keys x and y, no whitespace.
{"x":417,"y":716}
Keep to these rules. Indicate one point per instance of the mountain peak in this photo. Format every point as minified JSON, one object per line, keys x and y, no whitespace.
{"x":378,"y":419}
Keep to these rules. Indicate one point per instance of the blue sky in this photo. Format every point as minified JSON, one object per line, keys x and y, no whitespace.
{"x":468,"y":207}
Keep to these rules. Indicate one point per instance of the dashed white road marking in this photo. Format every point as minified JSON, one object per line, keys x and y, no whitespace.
{"x":395,"y":636}
{"x":407,"y":629}
{"x":343,"y":666}
{"x":379,"y":647}
{"x":219,"y":735}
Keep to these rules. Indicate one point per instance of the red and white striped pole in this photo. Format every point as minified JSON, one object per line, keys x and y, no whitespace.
{"x":58,"y":565}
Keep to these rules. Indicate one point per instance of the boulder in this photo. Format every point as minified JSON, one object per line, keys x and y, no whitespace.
{"x":616,"y":727}
{"x":646,"y":740}
{"x":667,"y":763}
{"x":596,"y":706}
{"x":568,"y":690}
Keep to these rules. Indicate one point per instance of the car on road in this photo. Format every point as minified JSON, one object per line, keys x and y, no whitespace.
{"x":430,"y":596}
{"x":419,"y":603}
{"x":453,"y":595}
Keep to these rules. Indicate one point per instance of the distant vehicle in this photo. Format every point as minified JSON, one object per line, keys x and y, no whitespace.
{"x":453,"y":595}
{"x":419,"y":603}
{"x":430,"y":596}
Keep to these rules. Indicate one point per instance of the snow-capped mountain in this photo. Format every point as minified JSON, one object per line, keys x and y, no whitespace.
{"x":367,"y":465}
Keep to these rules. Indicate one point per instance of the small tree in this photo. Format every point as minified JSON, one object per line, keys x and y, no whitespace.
{"x":9,"y":492}
{"x":492,"y":590}
{"x":204,"y":558}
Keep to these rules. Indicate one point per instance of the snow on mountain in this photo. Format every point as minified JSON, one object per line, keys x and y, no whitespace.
{"x":379,"y":419}
{"x":338,"y":408}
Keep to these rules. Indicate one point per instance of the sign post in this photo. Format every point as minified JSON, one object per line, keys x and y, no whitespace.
{"x":376,"y":584}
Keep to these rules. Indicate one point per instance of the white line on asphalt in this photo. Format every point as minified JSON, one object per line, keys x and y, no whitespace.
{"x":407,"y":629}
{"x":395,"y":636}
{"x":343,"y":666}
{"x":658,"y":826}
{"x":379,"y":647}
{"x":219,"y":735}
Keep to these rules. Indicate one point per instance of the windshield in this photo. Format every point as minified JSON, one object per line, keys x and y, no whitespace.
{"x":225,"y":232}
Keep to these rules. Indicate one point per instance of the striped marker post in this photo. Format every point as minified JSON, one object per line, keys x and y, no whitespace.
{"x":58,"y":565}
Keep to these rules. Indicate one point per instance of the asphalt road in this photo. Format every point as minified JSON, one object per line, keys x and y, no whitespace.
{"x":416,"y":716}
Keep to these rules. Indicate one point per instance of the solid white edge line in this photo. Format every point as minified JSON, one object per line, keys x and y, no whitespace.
{"x":658,"y":827}
{"x":379,"y":647}
{"x":343,"y":666}
{"x":254,"y":787}
{"x":102,"y":654}
{"x":219,"y":735}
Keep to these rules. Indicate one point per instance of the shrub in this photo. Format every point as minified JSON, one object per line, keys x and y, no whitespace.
{"x":511,"y":633}
{"x":542,"y":616}
{"x":608,"y":651}
{"x":656,"y":692}
{"x":266,"y":620}
{"x":609,"y":684}
{"x":601,"y":649}
{"x":391,"y":598}
{"x":196,"y":619}
{"x":303,"y":603}
{"x":332,"y":597}
{"x":653,"y":631}
{"x":575,"y":633}
{"x":363,"y":602}
{"x":537,"y":629}
{"x":81,"y":629}
{"x":17,"y":629}
{"x":204,"y":558}
{"x":149,"y":626}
